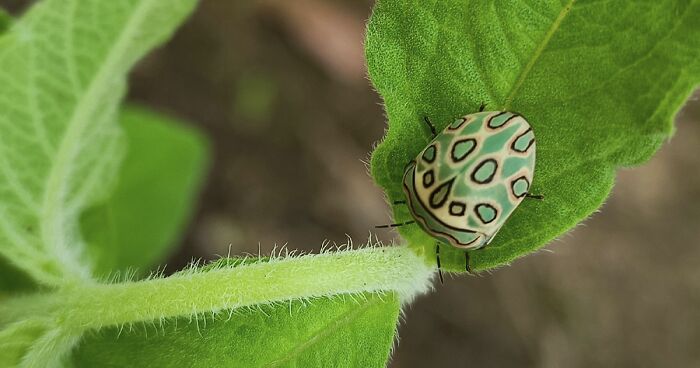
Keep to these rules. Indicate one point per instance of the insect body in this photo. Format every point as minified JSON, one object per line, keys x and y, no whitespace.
{"x":466,"y":183}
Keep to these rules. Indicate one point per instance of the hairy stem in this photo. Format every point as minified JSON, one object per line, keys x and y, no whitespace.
{"x":381,"y":269}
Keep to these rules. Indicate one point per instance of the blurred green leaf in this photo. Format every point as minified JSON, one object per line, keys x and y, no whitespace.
{"x":157,"y":186}
{"x":155,"y":193}
{"x":338,"y":332}
{"x":599,"y":82}
{"x":13,"y":280}
{"x":16,"y":339}
{"x":63,"y":69}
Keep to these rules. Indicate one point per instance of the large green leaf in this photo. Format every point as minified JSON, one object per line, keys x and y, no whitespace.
{"x":337,"y":332}
{"x":62,"y":72}
{"x":154,"y":195}
{"x":600,"y":83}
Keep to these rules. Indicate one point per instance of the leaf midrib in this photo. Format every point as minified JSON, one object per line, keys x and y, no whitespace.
{"x":536,"y":55}
{"x":52,"y":234}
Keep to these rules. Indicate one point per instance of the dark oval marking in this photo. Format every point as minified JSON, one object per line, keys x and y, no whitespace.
{"x":428,"y":178}
{"x":457,"y":208}
{"x":429,"y":154}
{"x":523,"y":142}
{"x":457,"y":124}
{"x":486,"y":212}
{"x":520,"y":186}
{"x":439,"y":196}
{"x":485,"y":171}
{"x":462,"y":148}
{"x":500,"y":120}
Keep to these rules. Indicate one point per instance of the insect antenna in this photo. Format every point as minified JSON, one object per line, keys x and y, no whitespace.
{"x":394,"y":225}
{"x":400,"y":202}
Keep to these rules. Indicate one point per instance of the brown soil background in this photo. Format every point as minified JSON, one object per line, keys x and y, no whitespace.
{"x":280,"y":89}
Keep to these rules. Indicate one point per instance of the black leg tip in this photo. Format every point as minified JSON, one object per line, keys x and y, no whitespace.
{"x":395,"y":225}
{"x":466,"y":263}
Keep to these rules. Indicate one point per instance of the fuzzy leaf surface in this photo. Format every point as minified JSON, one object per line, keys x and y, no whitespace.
{"x":600,"y":83}
{"x":337,"y":332}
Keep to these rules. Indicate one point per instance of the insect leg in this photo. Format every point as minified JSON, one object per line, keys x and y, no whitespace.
{"x":395,"y":225}
{"x":534,"y":196}
{"x":466,"y":263}
{"x":482,"y":107}
{"x":400,"y":202}
{"x":437,"y":259}
{"x":432,"y":127}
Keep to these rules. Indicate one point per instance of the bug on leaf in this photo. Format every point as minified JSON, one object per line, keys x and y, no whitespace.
{"x":465,"y":184}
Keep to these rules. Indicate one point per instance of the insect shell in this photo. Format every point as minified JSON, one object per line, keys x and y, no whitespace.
{"x":466,"y":183}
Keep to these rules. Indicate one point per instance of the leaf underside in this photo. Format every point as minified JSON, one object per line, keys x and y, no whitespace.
{"x":600,"y":83}
{"x":63,"y":72}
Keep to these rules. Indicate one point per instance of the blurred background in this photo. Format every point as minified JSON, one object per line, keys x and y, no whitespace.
{"x":280,"y":88}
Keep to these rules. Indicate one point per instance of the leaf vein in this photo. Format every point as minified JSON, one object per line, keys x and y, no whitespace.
{"x":53,"y":233}
{"x":536,"y":55}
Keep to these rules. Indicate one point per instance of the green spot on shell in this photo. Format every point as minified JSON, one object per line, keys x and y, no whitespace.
{"x":462,"y":148}
{"x":520,"y":187}
{"x":457,"y":123}
{"x":486,"y":212}
{"x":523,"y":142}
{"x":439,"y":195}
{"x":499,"y":120}
{"x":429,"y":154}
{"x":485,"y":172}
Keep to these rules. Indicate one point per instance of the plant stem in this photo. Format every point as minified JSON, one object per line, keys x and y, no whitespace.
{"x":380,"y":269}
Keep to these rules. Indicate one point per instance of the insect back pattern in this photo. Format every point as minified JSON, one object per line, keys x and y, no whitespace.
{"x":466,"y":183}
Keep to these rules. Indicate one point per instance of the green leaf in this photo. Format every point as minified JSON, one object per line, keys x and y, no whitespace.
{"x":16,"y":339}
{"x":155,"y":193}
{"x":599,"y":82}
{"x":337,"y":332}
{"x":62,"y":71}
{"x":35,"y":342}
{"x":13,"y":280}
{"x":156,"y":188}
